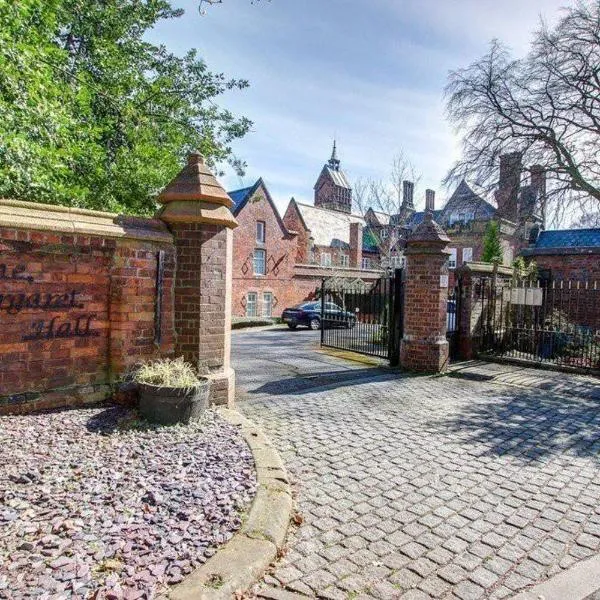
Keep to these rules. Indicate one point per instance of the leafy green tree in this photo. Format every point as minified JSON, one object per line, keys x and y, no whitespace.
{"x":492,"y":247}
{"x":92,"y":114}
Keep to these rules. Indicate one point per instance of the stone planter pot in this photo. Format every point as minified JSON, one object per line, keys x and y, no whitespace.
{"x":167,"y":406}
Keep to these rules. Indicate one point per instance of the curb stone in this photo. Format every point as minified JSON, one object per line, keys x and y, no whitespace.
{"x":576,"y":583}
{"x":238,"y":564}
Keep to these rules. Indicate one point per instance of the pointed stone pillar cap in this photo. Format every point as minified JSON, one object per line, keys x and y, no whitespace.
{"x":427,"y":233}
{"x":195,"y":196}
{"x":195,"y":182}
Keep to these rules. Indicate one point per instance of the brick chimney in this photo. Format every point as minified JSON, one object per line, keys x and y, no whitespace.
{"x":538,"y":182}
{"x":538,"y":179}
{"x":507,"y":196}
{"x":429,"y":200}
{"x":356,"y":243}
{"x":408,"y":191}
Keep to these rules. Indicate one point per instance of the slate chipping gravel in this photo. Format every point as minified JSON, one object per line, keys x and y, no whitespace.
{"x":95,"y":504}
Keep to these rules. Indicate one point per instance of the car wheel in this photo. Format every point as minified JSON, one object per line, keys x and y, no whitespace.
{"x":314,"y":324}
{"x":292,"y":325}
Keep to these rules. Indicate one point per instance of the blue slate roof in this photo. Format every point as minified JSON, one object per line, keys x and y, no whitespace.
{"x":239,"y":197}
{"x":569,"y":238}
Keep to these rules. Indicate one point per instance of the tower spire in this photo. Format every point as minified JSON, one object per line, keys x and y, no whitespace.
{"x":334,"y":162}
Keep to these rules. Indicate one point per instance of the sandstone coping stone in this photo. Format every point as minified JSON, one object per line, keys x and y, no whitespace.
{"x":69,"y":220}
{"x":237,"y":565}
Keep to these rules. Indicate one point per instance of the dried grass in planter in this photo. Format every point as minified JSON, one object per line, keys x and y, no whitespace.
{"x":166,"y":372}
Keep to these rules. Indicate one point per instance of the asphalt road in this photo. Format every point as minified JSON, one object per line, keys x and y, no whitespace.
{"x":280,"y":360}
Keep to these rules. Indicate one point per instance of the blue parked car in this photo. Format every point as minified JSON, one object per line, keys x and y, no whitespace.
{"x":309,"y":315}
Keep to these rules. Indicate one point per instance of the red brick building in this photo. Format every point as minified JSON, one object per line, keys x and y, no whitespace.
{"x":466,"y":214}
{"x":264,"y":255}
{"x":279,"y":262}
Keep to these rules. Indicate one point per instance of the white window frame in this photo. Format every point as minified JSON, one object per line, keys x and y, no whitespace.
{"x":344,"y":260}
{"x":267,"y":303}
{"x":469,"y":255}
{"x":258,"y":252}
{"x":365,"y":263}
{"x":384,"y":233}
{"x":261,"y":228}
{"x":452,"y":258}
{"x":325,"y":259}
{"x":251,"y":304}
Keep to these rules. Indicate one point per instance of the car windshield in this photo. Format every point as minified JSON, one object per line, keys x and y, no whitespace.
{"x":306,"y":306}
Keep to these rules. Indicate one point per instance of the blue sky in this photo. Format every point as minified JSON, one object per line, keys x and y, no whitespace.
{"x":369,"y":72}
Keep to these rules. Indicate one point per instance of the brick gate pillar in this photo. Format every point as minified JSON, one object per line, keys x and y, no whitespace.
{"x":196,"y":208}
{"x":424,"y":345}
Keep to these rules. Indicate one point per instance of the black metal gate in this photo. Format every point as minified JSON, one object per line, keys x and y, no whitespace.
{"x":362,"y":316}
{"x":453,"y":313}
{"x":545,"y":322}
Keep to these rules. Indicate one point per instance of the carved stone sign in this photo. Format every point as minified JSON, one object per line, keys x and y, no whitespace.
{"x":68,"y":326}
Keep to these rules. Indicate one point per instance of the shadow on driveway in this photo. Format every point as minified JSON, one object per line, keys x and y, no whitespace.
{"x":334,"y":379}
{"x":529,"y":424}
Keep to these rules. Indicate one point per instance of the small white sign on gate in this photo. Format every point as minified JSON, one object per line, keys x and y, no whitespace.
{"x":527,"y":296}
{"x":443,"y":281}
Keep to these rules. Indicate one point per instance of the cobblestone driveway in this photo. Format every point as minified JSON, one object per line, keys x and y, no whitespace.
{"x":417,"y":487}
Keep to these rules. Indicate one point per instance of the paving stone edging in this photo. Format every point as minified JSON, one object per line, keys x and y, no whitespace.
{"x":576,"y":583}
{"x":238,"y":564}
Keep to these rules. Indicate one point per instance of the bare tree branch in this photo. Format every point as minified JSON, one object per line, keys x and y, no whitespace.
{"x":546,"y":105}
{"x":385,"y":196}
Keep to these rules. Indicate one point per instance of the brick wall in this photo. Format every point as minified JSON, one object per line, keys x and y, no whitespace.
{"x":77,"y":306}
{"x":579,"y":264}
{"x":293,"y":222}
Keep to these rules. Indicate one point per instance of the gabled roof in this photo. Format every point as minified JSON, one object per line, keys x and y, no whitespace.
{"x":381,"y":217}
{"x":240,"y":199}
{"x":569,"y":238}
{"x":327,"y":227}
{"x":336,"y":175}
{"x":466,"y":200}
